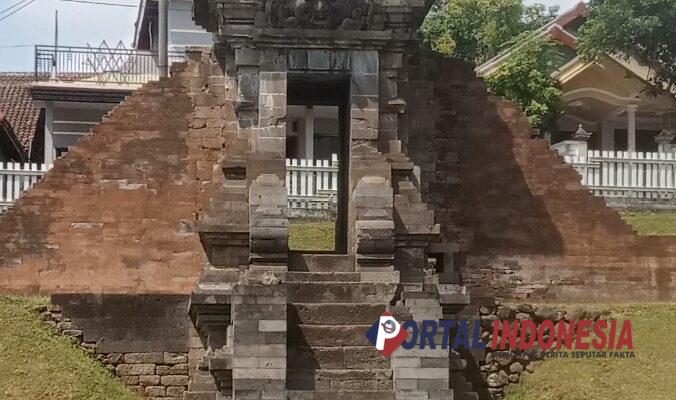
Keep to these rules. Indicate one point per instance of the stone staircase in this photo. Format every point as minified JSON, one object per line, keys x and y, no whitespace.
{"x":328,"y":313}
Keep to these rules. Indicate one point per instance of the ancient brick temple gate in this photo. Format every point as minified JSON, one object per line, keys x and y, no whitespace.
{"x":163,"y":236}
{"x":280,"y":324}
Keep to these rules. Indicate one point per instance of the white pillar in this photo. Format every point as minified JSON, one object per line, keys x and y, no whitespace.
{"x":631,"y":127}
{"x":607,"y":135}
{"x":309,"y":132}
{"x":163,"y":33}
{"x":49,"y":151}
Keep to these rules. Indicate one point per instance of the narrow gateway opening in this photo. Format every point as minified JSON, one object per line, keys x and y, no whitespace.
{"x":317,"y":161}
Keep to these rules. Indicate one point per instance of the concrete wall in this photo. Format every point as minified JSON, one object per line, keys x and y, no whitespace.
{"x":182,"y":29}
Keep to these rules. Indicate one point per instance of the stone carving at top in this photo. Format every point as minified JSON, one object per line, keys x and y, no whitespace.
{"x":319,"y":14}
{"x":247,"y":20}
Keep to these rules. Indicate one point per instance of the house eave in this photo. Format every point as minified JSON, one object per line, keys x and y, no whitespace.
{"x":80,"y":93}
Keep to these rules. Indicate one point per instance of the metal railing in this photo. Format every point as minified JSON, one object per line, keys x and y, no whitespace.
{"x":98,"y":65}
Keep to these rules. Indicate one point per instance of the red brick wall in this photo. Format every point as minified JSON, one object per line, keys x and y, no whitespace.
{"x":522,"y":222}
{"x":115,"y":214}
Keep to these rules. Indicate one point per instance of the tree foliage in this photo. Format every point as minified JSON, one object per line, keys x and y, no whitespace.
{"x":641,"y":29}
{"x":476,"y":30}
{"x":526,"y":79}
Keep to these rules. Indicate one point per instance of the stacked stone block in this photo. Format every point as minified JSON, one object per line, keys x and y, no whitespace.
{"x":259,"y":342}
{"x":268,"y":219}
{"x":328,"y":354}
{"x":150,"y":372}
{"x":374,"y":225}
{"x":421,"y":373}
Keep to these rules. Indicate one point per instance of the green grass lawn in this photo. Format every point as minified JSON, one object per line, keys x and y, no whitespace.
{"x":649,"y":376}
{"x":651,"y":223}
{"x":311,"y":235}
{"x":38,"y":363}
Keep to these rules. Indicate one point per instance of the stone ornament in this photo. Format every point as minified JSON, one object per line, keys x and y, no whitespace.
{"x":318,"y":14}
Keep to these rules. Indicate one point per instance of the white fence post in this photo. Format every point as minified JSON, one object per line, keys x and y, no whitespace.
{"x":312,"y":184}
{"x":627,"y":174}
{"x":15,"y":178}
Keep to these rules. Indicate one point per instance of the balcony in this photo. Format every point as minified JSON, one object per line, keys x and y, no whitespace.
{"x":98,"y":66}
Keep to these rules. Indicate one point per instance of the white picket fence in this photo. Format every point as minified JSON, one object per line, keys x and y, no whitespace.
{"x":16,"y":178}
{"x":627,"y":174}
{"x":312,"y":184}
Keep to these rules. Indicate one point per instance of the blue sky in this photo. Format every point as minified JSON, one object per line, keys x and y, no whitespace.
{"x":80,"y":24}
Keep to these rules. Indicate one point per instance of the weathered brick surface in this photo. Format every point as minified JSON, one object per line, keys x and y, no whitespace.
{"x":516,"y":216}
{"x":115,"y":214}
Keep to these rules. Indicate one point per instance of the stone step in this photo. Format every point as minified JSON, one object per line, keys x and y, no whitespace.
{"x":295,"y":276}
{"x":339,"y":379}
{"x":341,"y":395}
{"x":219,"y":275}
{"x":321,"y":262}
{"x":334,"y":314}
{"x":347,"y":357}
{"x":328,"y":335}
{"x":466,"y":395}
{"x":341,"y":292}
{"x":199,"y":395}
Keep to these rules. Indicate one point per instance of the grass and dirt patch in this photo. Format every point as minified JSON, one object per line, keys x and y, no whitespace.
{"x":662,"y":223}
{"x":312,"y":235}
{"x":38,"y":363}
{"x":648,"y":376}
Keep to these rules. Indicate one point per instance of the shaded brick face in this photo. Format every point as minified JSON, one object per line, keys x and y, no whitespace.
{"x":116,"y":213}
{"x":519,"y":218}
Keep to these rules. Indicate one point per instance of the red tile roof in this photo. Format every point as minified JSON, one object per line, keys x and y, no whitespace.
{"x":18,"y":107}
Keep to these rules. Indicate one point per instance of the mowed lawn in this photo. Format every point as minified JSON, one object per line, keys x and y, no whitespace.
{"x":311,"y":235}
{"x":651,"y":223}
{"x":649,"y":376}
{"x":36,"y":363}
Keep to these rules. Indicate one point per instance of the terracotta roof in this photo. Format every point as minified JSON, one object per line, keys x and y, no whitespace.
{"x":553,"y":29}
{"x":18,"y":107}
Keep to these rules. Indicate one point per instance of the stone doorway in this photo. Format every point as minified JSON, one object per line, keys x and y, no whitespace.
{"x":326,"y":96}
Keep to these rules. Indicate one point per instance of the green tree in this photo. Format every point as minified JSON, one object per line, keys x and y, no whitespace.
{"x":641,"y":29}
{"x":476,"y":30}
{"x":526,"y":79}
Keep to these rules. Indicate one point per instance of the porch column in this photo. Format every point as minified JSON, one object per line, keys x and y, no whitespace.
{"x":308,"y":148}
{"x":607,"y":135}
{"x":667,"y":134}
{"x":49,"y":150}
{"x":669,"y":121}
{"x":631,"y":127}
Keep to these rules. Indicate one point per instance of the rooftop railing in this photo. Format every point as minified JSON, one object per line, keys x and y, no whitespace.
{"x":101,"y":65}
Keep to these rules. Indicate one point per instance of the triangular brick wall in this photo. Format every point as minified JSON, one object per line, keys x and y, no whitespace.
{"x":116,"y":213}
{"x":517,"y":217}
